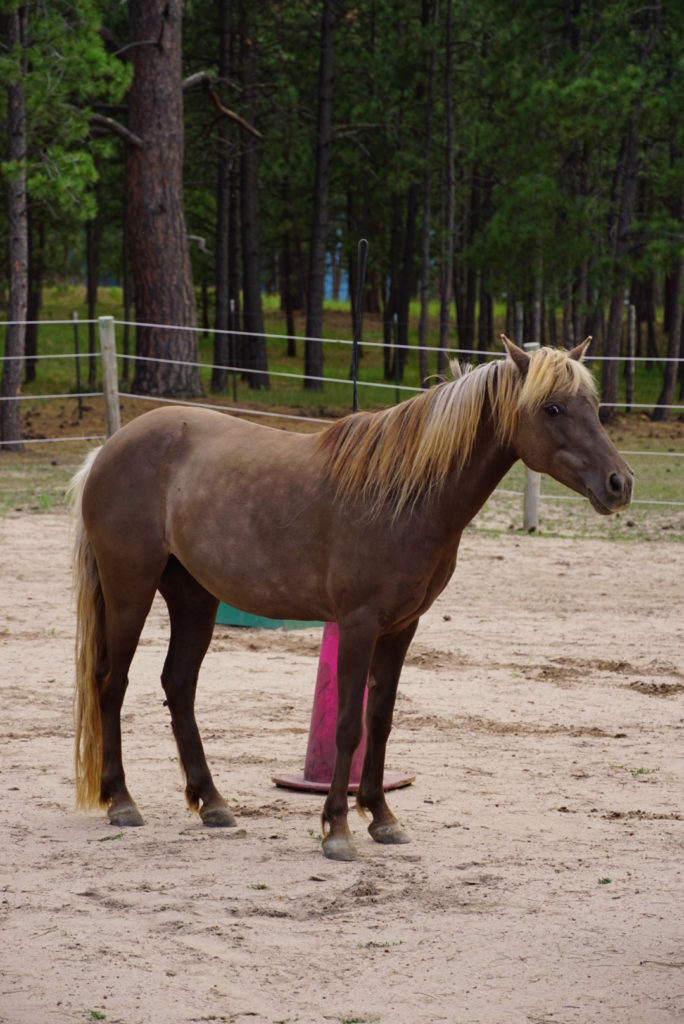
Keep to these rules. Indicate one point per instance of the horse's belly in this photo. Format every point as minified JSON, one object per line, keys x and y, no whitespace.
{"x":260,"y":570}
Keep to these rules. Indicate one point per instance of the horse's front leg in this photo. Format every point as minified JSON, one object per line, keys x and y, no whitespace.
{"x":354,"y":654}
{"x":386,"y":666}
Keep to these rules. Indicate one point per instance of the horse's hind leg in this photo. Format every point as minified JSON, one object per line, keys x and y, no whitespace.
{"x":192,"y":611}
{"x":388,"y":660}
{"x":125,"y":618}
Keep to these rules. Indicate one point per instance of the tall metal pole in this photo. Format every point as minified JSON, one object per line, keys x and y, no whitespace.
{"x":362,"y":257}
{"x":395,"y":339}
{"x":233,"y":353}
{"x":74,"y":317}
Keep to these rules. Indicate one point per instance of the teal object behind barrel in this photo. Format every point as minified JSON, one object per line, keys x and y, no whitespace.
{"x":229,"y":616}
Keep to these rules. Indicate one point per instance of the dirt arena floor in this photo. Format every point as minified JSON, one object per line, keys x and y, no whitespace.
{"x":542,"y":710}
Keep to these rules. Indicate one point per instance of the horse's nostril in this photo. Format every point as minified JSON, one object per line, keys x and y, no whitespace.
{"x":615,"y":483}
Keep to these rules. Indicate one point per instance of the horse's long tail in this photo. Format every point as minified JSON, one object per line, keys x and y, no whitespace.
{"x":90,"y":650}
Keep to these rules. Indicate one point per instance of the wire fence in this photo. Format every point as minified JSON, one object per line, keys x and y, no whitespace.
{"x":260,"y":413}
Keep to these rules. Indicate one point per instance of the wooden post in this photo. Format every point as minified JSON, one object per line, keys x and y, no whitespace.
{"x":532,"y":482}
{"x":631,"y":347}
{"x":110,"y":379}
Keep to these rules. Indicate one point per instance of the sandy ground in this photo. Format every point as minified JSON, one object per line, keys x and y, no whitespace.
{"x":541,"y":709}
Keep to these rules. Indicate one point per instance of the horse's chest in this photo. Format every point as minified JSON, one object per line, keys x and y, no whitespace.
{"x":414,"y":595}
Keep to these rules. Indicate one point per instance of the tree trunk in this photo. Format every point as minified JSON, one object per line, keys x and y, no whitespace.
{"x":406,"y":283}
{"x":17,"y":215}
{"x":235,"y":341}
{"x":552,"y":330}
{"x":568,"y":330}
{"x":424,"y":289}
{"x":286,"y":294}
{"x":636,"y":299}
{"x":537,"y":332}
{"x":252,"y":312}
{"x":160,"y":257}
{"x":127,"y":289}
{"x":93,"y":233}
{"x":466,"y":327}
{"x":353,"y":277}
{"x":449,"y":187}
{"x":291,"y":289}
{"x":391,"y":306}
{"x":621,"y":223}
{"x":621,"y":226}
{"x":651,"y":344}
{"x":674,"y":320}
{"x":484,"y":320}
{"x":465,"y":306}
{"x":313,"y":354}
{"x":36,"y":266}
{"x":219,"y":375}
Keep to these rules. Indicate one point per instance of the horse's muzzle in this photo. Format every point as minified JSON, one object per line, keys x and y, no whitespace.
{"x":615,"y":495}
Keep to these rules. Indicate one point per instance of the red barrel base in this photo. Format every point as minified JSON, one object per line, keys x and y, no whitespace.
{"x":321,"y":751}
{"x":391,"y":780}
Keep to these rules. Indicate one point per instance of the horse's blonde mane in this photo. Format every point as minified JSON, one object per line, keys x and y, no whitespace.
{"x":401,"y":454}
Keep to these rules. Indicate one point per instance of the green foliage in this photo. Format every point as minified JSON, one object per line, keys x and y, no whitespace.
{"x":544,"y":94}
{"x":64,"y":69}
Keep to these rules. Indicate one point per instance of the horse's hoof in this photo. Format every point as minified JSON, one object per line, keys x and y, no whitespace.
{"x":127,"y":816}
{"x":390,"y":832}
{"x":217,"y":817}
{"x":339,"y":849}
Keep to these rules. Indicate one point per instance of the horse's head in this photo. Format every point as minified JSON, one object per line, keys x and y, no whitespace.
{"x":557,"y":430}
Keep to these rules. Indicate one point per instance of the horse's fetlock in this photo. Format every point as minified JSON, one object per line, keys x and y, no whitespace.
{"x":361,"y":807}
{"x":192,"y":798}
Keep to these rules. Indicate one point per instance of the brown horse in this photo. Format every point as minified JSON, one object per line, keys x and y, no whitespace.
{"x":359,"y":525}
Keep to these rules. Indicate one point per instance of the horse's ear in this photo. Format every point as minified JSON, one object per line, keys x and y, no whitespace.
{"x":578,"y":351}
{"x":518,"y":355}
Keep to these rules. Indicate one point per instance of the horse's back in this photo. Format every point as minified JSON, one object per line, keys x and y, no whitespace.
{"x":236,"y":503}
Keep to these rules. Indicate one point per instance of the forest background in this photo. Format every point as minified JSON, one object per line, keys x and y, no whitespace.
{"x":514,"y":165}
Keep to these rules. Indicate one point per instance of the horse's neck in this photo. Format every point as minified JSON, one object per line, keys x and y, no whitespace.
{"x":468,"y":489}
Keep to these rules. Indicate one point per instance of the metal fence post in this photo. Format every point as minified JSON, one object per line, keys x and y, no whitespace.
{"x":629,"y":364}
{"x":532,"y":482}
{"x":110,"y":379}
{"x":74,"y":317}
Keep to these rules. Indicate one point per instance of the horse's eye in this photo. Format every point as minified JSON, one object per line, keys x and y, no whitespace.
{"x":552,"y":409}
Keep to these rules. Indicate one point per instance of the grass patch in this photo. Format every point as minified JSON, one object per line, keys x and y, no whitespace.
{"x":36,"y":480}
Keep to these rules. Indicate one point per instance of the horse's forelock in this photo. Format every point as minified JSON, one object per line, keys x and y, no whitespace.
{"x":552,"y":373}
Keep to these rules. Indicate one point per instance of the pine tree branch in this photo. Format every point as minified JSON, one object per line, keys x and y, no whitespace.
{"x":116,"y":128}
{"x":204,"y":78}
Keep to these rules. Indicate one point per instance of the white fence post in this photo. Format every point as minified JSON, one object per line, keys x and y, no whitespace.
{"x":110,"y":378}
{"x":532,"y":482}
